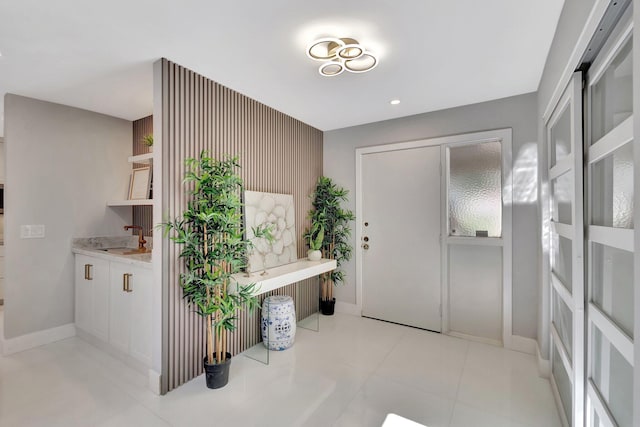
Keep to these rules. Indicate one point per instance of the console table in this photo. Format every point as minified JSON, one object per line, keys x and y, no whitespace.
{"x":276,"y":278}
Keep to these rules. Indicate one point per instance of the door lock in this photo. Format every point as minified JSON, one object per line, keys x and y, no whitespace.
{"x":365,"y":246}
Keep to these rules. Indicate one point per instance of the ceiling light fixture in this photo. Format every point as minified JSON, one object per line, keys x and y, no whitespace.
{"x":339,"y":55}
{"x":394,"y":102}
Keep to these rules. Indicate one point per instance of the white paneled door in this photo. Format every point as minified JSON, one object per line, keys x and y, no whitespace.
{"x":610,"y":232}
{"x":566,"y":246}
{"x":401,"y":237}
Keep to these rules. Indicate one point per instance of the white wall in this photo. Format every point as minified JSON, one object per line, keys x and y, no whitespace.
{"x":519,"y":113}
{"x":571,"y":23}
{"x":63,"y":164}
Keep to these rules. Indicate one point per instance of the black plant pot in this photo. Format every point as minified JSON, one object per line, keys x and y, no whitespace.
{"x":217,"y":375}
{"x":327,"y":307}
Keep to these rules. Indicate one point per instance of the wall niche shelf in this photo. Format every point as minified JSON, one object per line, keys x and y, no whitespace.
{"x":140,"y":202}
{"x":141,"y":158}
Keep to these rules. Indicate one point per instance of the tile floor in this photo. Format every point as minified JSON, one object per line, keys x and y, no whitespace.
{"x":351,"y":373}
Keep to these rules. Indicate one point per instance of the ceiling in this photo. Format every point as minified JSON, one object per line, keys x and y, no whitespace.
{"x":433,"y":54}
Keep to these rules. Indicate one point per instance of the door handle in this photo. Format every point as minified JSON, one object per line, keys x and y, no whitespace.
{"x":126,"y":283}
{"x":87,"y":272}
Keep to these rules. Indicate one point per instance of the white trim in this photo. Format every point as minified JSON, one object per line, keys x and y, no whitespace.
{"x":444,"y":248}
{"x":347,"y":308}
{"x":507,"y":241}
{"x":474,"y":241}
{"x":562,"y":291}
{"x":595,"y":399}
{"x":561,"y":167}
{"x":544,"y":365}
{"x":612,"y":332}
{"x":615,"y":42}
{"x":589,"y":29}
{"x":523,"y":344}
{"x":616,"y":138}
{"x":562,"y":351}
{"x":564,"y":230}
{"x":36,"y":339}
{"x":620,"y":238}
{"x":463,"y":138}
{"x":474,"y":338}
{"x":155,"y":380}
{"x":558,"y":400}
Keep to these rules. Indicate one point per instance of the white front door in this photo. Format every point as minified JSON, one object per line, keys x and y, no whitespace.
{"x":401,"y":237}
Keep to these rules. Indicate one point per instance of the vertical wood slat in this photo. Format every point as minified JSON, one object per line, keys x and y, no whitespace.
{"x":277,"y":154}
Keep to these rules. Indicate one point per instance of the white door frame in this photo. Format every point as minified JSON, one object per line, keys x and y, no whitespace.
{"x":503,"y":135}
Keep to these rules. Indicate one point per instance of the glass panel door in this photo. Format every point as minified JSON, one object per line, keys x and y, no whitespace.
{"x":564,"y":137}
{"x":609,"y":173}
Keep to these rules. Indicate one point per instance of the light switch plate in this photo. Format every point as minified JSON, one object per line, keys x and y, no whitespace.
{"x":32,"y":231}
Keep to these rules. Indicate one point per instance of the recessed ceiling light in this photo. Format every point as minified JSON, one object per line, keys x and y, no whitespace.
{"x":394,"y":102}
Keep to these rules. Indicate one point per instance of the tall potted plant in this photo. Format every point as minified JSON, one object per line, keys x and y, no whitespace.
{"x":213,"y":248}
{"x":329,"y":215}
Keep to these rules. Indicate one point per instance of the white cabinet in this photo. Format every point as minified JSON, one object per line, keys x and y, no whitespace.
{"x":113,"y":303}
{"x":92,"y":295}
{"x":130,"y":314}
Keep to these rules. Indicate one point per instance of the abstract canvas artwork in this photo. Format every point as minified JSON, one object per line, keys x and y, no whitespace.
{"x":276,"y":213}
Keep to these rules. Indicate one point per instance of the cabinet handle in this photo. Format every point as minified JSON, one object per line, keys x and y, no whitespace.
{"x":126,"y":285}
{"x":87,"y":272}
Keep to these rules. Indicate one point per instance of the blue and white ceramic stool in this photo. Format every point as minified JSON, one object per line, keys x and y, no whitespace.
{"x":278,"y":322}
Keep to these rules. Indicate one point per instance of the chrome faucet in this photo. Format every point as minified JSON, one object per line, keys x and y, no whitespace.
{"x":141,"y":240}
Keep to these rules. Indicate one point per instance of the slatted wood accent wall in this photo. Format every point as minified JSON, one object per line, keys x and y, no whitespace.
{"x":142,"y":215}
{"x":278,"y":154}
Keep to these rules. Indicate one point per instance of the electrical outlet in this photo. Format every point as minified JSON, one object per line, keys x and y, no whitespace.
{"x":32,"y":231}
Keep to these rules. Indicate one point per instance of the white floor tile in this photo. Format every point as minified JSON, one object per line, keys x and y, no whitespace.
{"x":353,"y":372}
{"x":428,"y":361}
{"x":381,"y":396}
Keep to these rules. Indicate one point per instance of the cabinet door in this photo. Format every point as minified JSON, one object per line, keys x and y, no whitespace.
{"x":92,"y":298}
{"x":119,"y":306}
{"x":84,"y":288}
{"x":100,"y":297}
{"x":140,"y":295}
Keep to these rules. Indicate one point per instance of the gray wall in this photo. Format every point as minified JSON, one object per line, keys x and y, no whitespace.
{"x":572,"y":20}
{"x":636,"y":255}
{"x":63,"y":164}
{"x":518,"y":113}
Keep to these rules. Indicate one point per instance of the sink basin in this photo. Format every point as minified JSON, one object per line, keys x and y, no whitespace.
{"x":126,"y":251}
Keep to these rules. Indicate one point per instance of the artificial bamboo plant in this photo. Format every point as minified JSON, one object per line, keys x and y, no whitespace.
{"x":329,"y":216}
{"x":213,"y":248}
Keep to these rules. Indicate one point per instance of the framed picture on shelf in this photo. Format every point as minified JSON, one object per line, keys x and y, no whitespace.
{"x":140,"y":183}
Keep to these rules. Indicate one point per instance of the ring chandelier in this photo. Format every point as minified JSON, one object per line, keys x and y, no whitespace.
{"x":338,"y":55}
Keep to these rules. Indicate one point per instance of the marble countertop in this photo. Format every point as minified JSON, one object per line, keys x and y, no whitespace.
{"x":95,"y":246}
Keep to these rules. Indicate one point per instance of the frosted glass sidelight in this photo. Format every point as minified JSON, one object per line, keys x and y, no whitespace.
{"x":561,"y":196}
{"x":561,"y":137}
{"x":561,"y":259}
{"x":612,"y":287}
{"x":612,"y":95}
{"x":612,"y":189}
{"x":613,"y":376}
{"x":563,"y":321}
{"x":475,"y":190}
{"x":563,"y":382}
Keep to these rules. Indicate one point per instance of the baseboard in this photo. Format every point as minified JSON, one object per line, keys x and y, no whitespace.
{"x":36,"y":339}
{"x":347,"y":308}
{"x":544,"y":365}
{"x":523,"y":344}
{"x":154,"y":381}
{"x":475,"y":339}
{"x":111,"y":350}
